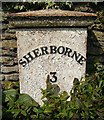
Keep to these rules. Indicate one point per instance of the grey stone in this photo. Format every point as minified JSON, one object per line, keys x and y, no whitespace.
{"x":15,"y":60}
{"x":7,"y":60}
{"x":0,"y":28}
{"x":10,"y":69}
{"x":8,"y":36}
{"x":51,"y":23}
{"x":13,"y":77}
{"x":33,"y":75}
{"x":4,"y":26}
{"x":2,"y":77}
{"x":9,"y":43}
{"x":8,"y":52}
{"x":12,"y":31}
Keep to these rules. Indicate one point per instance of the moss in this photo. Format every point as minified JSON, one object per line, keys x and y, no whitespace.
{"x":99,"y":35}
{"x":102,"y":20}
{"x":9,"y":44}
{"x":7,"y":36}
{"x":11,"y":31}
{"x":99,"y":27}
{"x":4,"y":59}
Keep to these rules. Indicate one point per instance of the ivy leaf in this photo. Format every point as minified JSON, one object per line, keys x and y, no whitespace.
{"x":64,"y":96}
{"x":47,"y":110}
{"x":24,"y":99}
{"x":21,"y":7}
{"x":23,"y":113}
{"x":34,"y":117}
{"x":35,"y":110}
{"x":15,"y":112}
{"x":7,"y":93}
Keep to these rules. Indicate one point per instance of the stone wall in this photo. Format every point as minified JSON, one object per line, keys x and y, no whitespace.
{"x":95,"y":34}
{"x":8,"y":57}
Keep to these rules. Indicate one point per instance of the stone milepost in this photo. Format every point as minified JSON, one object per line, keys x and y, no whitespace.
{"x":58,"y":52}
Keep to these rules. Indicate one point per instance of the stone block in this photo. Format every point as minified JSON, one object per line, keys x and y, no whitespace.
{"x":12,"y":77}
{"x":12,"y":31}
{"x":11,"y":69}
{"x":7,"y":60}
{"x":8,"y":36}
{"x":2,"y":77}
{"x":9,"y":43}
{"x":8,"y":52}
{"x":4,"y":26}
{"x":57,"y":52}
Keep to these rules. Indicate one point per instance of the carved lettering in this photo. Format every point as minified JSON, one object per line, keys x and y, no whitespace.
{"x":61,"y":49}
{"x":52,"y":50}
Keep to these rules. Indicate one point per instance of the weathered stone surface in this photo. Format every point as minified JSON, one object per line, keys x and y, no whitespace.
{"x":0,"y":43}
{"x":9,"y":44}
{"x":52,"y":18}
{"x":8,"y":52}
{"x":7,"y":36}
{"x":98,"y":27}
{"x":1,"y":15}
{"x":99,"y":35}
{"x":15,"y":60}
{"x":4,"y":26}
{"x":12,"y":69}
{"x":12,"y":77}
{"x":12,"y":31}
{"x":33,"y":75}
{"x":2,"y":77}
{"x":8,"y":61}
{"x":51,"y":22}
{"x":0,"y":27}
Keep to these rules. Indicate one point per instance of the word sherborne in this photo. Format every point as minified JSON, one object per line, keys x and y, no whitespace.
{"x":51,"y":50}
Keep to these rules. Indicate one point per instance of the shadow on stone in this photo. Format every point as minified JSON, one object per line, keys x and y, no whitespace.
{"x":95,"y":52}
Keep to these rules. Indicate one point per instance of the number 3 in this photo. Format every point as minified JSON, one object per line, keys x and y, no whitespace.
{"x":54,"y":78}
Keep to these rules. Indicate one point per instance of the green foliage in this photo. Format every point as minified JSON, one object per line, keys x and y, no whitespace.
{"x":58,"y":5}
{"x":29,"y":6}
{"x":10,"y":84}
{"x":32,"y":5}
{"x":18,"y":106}
{"x":86,"y":101}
